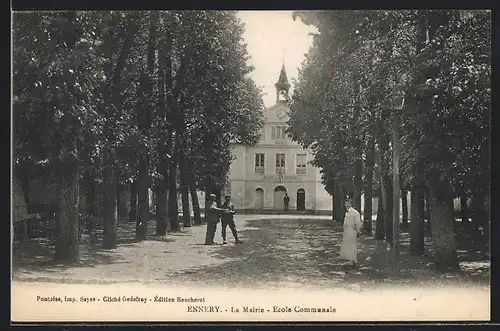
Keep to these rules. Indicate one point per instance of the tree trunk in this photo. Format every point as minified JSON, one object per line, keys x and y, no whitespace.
{"x":382,"y":199}
{"x":162,"y":194}
{"x":112,"y":96}
{"x":90,"y":201}
{"x":184,"y":179}
{"x":143,"y":199}
{"x":163,"y":189}
{"x":479,"y":217}
{"x":90,"y":195}
{"x":133,"y":201}
{"x":358,"y":145}
{"x":144,"y":120}
{"x":339,"y":204}
{"x":370,"y":160}
{"x":207,"y":202}
{"x":173,"y":211}
{"x":386,"y":195}
{"x":404,"y":206}
{"x":165,"y":145}
{"x":162,"y":207}
{"x":118,"y":187}
{"x":417,"y":220}
{"x":443,"y":236}
{"x":152,"y":198}
{"x":156,"y":201}
{"x":67,"y":167}
{"x":66,"y":231}
{"x":218,"y":196}
{"x":380,"y":222}
{"x":487,"y":221}
{"x":333,"y":207}
{"x":25,"y":178}
{"x":385,"y":178}
{"x":428,"y":215}
{"x":388,"y":211}
{"x":186,"y":212}
{"x":194,"y":195}
{"x":116,"y":98}
{"x":396,"y":180}
{"x":358,"y":181}
{"x":110,"y":208}
{"x":463,"y":208}
{"x":196,"y":206}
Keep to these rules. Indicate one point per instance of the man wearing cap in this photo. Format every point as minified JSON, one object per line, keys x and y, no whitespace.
{"x":352,"y":227}
{"x":228,"y":219}
{"x":212,"y":220}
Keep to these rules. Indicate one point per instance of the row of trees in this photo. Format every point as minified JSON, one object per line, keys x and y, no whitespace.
{"x":151,"y":98}
{"x":343,"y":107}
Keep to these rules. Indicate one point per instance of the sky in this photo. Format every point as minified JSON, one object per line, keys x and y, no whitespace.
{"x":273,"y":37}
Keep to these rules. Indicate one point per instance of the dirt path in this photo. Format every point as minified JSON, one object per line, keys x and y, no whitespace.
{"x":279,"y":251}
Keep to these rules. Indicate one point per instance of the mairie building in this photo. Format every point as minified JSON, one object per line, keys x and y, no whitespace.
{"x":260,"y":175}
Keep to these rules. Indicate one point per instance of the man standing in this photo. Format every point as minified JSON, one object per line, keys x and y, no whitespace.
{"x":352,"y":228}
{"x":228,"y":219}
{"x":286,"y":200}
{"x":212,"y":220}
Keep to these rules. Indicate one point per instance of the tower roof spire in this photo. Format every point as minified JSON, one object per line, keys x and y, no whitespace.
{"x":283,"y":79}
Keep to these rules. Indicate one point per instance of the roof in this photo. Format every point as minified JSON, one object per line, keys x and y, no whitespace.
{"x":282,"y":80}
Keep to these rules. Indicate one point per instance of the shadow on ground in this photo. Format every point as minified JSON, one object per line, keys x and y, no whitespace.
{"x":38,"y":253}
{"x":276,"y":252}
{"x":305,"y":252}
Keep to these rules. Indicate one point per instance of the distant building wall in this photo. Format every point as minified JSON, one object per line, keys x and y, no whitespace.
{"x":256,"y":173}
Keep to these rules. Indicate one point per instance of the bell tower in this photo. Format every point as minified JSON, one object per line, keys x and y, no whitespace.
{"x":282,"y":86}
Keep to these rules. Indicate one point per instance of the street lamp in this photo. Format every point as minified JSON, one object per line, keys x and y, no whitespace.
{"x":397,"y":103}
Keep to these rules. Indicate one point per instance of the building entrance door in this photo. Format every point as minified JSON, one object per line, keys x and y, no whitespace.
{"x":259,"y":199}
{"x":301,"y":199}
{"x":279,"y":193}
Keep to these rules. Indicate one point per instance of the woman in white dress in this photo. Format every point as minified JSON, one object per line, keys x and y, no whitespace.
{"x":352,"y":227}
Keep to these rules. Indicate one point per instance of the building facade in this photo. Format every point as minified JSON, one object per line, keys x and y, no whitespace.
{"x":260,"y":176}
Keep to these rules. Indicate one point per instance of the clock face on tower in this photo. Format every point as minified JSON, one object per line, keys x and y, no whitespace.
{"x":281,"y":113}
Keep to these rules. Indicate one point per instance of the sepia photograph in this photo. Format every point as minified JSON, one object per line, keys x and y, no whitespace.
{"x":251,"y":166}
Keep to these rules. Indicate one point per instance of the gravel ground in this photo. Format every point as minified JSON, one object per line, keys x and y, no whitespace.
{"x":278,"y":251}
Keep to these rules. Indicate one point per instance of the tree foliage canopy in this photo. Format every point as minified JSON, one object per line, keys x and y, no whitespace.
{"x":364,"y":57}
{"x":74,"y":84}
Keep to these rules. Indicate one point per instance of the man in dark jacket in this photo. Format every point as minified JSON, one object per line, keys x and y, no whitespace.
{"x":286,"y":201}
{"x":228,"y":219}
{"x":212,"y":220}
